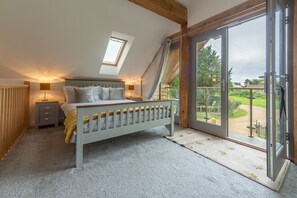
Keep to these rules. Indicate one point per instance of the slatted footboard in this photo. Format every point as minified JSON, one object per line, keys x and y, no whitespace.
{"x":119,"y":119}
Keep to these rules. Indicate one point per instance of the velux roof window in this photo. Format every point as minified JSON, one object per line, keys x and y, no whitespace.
{"x":114,"y":51}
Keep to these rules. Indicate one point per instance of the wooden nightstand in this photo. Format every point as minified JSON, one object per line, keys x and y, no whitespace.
{"x":46,"y":113}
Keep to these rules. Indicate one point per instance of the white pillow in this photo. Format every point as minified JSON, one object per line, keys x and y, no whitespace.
{"x":69,"y":93}
{"x":116,"y":93}
{"x":84,"y":94}
{"x":97,"y":93}
{"x":105,"y":93}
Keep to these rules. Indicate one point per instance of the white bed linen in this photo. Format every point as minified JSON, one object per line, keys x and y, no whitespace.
{"x":67,"y":107}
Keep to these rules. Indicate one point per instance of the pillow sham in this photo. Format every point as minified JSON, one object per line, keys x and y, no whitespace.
{"x":105,"y":93}
{"x":97,"y":93}
{"x":117,"y":93}
{"x":69,"y":93}
{"x":84,"y":94}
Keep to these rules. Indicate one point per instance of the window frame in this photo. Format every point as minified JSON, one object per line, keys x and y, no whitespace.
{"x":119,"y":55}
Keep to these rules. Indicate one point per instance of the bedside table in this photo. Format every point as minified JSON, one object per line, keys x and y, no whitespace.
{"x":137,"y":99}
{"x":46,"y":113}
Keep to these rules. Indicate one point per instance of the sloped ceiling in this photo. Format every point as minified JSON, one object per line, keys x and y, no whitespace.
{"x":68,"y":38}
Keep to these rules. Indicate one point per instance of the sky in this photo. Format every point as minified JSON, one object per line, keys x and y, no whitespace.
{"x":247,"y":49}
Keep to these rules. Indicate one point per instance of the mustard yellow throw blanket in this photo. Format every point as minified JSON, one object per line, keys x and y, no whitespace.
{"x":70,"y":124}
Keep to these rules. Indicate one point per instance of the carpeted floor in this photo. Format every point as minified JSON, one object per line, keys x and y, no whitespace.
{"x":138,"y":165}
{"x":244,"y":160}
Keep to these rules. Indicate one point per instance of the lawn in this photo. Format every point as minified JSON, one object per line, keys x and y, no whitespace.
{"x":237,"y":114}
{"x":259,"y":102}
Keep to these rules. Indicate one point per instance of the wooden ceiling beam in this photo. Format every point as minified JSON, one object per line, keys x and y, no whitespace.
{"x":231,"y":15}
{"x":169,"y":9}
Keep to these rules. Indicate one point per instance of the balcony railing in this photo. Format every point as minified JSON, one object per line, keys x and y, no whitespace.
{"x":246,"y":108}
{"x":257,"y":119}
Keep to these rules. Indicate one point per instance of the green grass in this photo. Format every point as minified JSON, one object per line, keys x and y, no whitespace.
{"x":237,"y":114}
{"x":201,"y":115}
{"x":259,"y":102}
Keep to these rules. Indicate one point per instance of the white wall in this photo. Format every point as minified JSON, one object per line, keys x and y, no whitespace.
{"x":199,"y":10}
{"x":11,"y":81}
{"x":68,"y":38}
{"x":52,"y":40}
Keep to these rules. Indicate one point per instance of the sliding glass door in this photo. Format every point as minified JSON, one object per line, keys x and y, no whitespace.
{"x":276,"y":88}
{"x":208,"y":83}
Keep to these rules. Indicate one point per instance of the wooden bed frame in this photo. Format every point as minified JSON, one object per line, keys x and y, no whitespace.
{"x":159,"y":118}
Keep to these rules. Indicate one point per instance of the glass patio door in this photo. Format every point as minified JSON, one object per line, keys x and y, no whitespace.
{"x":208,"y":83}
{"x":276,"y":88}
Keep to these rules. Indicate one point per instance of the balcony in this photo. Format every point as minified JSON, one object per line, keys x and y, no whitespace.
{"x":246,"y":111}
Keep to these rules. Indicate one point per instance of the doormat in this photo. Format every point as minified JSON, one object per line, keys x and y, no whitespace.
{"x":244,"y":160}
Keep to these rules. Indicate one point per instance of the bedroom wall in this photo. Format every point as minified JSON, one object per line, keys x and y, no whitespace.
{"x":50,"y":40}
{"x":68,"y":38}
{"x":199,"y":10}
{"x":11,"y":81}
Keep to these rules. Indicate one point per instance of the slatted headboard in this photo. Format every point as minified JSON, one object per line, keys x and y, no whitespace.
{"x":95,"y":82}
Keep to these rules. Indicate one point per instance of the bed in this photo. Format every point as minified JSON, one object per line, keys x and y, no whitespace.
{"x":91,"y":122}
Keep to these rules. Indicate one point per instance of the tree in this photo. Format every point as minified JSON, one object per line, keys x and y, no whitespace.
{"x":174,"y":90}
{"x":208,"y":67}
{"x":254,"y":82}
{"x":246,"y":82}
{"x":257,"y":82}
{"x":230,"y":84}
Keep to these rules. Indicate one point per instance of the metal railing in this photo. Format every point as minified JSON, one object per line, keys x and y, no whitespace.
{"x":253,"y":125}
{"x":206,"y":97}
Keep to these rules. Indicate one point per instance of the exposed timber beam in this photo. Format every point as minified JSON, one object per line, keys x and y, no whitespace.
{"x":248,"y":8}
{"x":169,"y":9}
{"x":295,"y":79}
{"x":184,"y":77}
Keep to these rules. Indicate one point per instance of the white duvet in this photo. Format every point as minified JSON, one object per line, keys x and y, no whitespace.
{"x":67,"y":107}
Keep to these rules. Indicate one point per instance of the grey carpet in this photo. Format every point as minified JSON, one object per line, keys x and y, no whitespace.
{"x":138,"y":165}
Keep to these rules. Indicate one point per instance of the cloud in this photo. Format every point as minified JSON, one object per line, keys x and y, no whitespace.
{"x":247,"y":49}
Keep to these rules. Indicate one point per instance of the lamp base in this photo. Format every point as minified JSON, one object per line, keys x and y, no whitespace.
{"x":45,"y":99}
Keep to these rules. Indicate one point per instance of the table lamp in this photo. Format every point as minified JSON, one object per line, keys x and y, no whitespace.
{"x":45,"y":87}
{"x":131,"y":88}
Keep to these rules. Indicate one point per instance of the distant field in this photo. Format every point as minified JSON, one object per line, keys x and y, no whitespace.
{"x":237,"y":114}
{"x":259,"y":102}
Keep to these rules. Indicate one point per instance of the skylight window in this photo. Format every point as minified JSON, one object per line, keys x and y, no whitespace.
{"x":114,"y":51}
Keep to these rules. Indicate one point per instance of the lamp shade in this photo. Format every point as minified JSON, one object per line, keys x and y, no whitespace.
{"x":45,"y":86}
{"x":130,"y":87}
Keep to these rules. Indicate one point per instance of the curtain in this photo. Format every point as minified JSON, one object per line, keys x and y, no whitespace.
{"x":172,"y":67}
{"x":151,"y":78}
